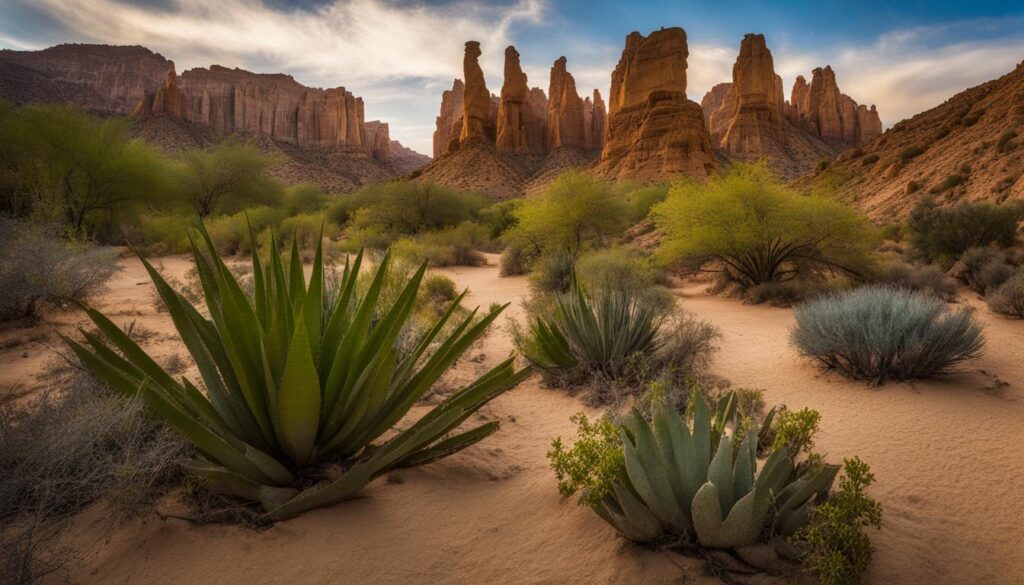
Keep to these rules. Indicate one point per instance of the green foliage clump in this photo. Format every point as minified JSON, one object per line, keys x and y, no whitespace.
{"x":439,"y":289}
{"x":159,"y":234}
{"x":498,"y":217}
{"x":574,"y":212}
{"x":406,"y":208}
{"x":454,"y":246}
{"x":553,"y":272}
{"x":304,"y":198}
{"x":227,"y":178}
{"x":594,"y":461}
{"x":911,"y":152}
{"x":795,"y":430}
{"x":942,"y":234}
{"x":754,"y":229}
{"x":951,"y":181}
{"x":785,"y":293}
{"x":878,"y":333}
{"x":304,"y":228}
{"x":1005,"y":142}
{"x":840,"y":551}
{"x":230,"y":233}
{"x":1008,"y":299}
{"x":301,"y":376}
{"x":643,"y":199}
{"x":60,"y":164}
{"x":920,"y":278}
{"x":516,"y":258}
{"x":869,"y":160}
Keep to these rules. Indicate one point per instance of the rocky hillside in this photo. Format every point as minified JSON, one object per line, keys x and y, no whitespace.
{"x":970,"y":148}
{"x":749,"y":118}
{"x":320,"y":134}
{"x":513,"y":144}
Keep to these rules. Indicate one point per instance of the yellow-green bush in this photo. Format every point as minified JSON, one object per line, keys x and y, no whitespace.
{"x":457,"y":246}
{"x":160,"y":234}
{"x":230,"y":233}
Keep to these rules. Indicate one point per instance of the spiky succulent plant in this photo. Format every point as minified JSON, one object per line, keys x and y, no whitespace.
{"x":293,"y":379}
{"x":703,"y":484}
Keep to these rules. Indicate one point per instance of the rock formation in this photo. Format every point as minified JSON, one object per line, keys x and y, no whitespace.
{"x":750,"y":119}
{"x":519,"y":128}
{"x":820,"y":108}
{"x":448,"y":126}
{"x":654,"y":131}
{"x":378,"y":140}
{"x":165,"y":102}
{"x":476,"y":100}
{"x":565,"y":109}
{"x":595,"y":122}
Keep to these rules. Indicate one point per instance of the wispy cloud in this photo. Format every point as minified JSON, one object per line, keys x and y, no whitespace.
{"x":400,"y":56}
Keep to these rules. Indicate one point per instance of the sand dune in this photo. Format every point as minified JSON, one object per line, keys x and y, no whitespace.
{"x":945,"y":453}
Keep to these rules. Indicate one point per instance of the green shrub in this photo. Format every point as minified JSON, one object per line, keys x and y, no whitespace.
{"x":304,"y":198}
{"x":840,"y":552}
{"x":926,"y":279}
{"x":553,"y":272}
{"x":38,"y":269}
{"x":879,"y":333}
{"x":408,"y":208}
{"x":293,"y":384}
{"x":786,"y":293}
{"x":499,"y":217}
{"x":950,"y":182}
{"x":623,"y":270}
{"x":912,"y":187}
{"x":439,"y":289}
{"x":160,"y":234}
{"x":305,"y":229}
{"x":869,"y":160}
{"x":455,"y":246}
{"x":593,"y":463}
{"x":972,"y":118}
{"x":912,"y":152}
{"x":754,"y":229}
{"x":227,"y":178}
{"x":985,"y":269}
{"x":517,"y":258}
{"x":795,"y":430}
{"x":643,"y":199}
{"x":1008,"y":299}
{"x":944,"y":233}
{"x":1005,"y":142}
{"x":230,"y":233}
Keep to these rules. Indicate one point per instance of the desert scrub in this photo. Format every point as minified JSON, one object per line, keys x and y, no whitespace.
{"x":920,"y":278}
{"x":786,"y":293}
{"x":912,"y":152}
{"x":879,"y":333}
{"x":869,"y":160}
{"x":593,"y":462}
{"x":942,"y":234}
{"x":985,"y":269}
{"x":455,"y":246}
{"x":1008,"y":299}
{"x":840,"y":551}
{"x":39,"y":268}
{"x":795,"y":429}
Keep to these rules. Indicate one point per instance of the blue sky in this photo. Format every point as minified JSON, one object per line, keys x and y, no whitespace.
{"x":399,"y":55}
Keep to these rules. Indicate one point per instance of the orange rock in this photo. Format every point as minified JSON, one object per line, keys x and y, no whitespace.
{"x":520,"y":122}
{"x":476,"y":100}
{"x":654,"y":132}
{"x":594,"y":122}
{"x":378,"y":140}
{"x":823,"y":110}
{"x":448,"y":126}
{"x":565,"y":109}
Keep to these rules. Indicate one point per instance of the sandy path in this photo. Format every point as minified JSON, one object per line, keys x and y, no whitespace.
{"x":946,"y":455}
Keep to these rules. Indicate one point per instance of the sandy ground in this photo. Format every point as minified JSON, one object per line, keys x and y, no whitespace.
{"x":946,"y":456}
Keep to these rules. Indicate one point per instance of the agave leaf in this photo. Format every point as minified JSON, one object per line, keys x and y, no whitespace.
{"x":720,"y":473}
{"x":299,"y":397}
{"x":449,"y":446}
{"x":648,"y":474}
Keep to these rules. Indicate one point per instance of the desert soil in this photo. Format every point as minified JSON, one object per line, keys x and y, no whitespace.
{"x":946,"y":455}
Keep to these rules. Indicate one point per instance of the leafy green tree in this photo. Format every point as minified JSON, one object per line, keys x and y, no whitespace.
{"x":753,"y":228}
{"x":226,"y":178}
{"x":304,"y":198}
{"x":575,"y":211}
{"x":408,"y":208}
{"x":72,"y":165}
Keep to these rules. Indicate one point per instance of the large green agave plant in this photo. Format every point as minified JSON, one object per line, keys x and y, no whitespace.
{"x":702,"y":483}
{"x":294,"y":380}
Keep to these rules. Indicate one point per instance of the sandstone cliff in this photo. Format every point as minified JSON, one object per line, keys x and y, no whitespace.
{"x":654,"y":131}
{"x":823,"y":110}
{"x":448,"y":126}
{"x":970,"y":148}
{"x":378,"y":140}
{"x":595,"y":122}
{"x":519,"y":128}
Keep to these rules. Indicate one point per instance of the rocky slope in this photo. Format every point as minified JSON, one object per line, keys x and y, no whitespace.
{"x":970,"y":148}
{"x":654,"y":131}
{"x":528,"y":137}
{"x":749,"y":118}
{"x":319,"y":131}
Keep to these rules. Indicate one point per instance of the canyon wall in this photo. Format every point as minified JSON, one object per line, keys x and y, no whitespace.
{"x":823,"y":110}
{"x":448,"y":125}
